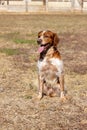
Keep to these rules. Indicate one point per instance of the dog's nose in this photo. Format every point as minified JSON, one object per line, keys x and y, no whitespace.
{"x":39,"y":41}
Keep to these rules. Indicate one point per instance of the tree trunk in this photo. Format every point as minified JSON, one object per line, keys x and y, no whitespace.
{"x":82,"y":3}
{"x":44,"y":2}
{"x":7,"y":2}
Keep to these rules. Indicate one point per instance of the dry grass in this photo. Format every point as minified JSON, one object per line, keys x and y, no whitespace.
{"x":19,"y":109}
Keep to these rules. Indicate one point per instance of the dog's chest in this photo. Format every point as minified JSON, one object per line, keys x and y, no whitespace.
{"x":50,"y":69}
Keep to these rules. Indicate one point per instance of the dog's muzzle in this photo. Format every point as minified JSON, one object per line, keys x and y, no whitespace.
{"x":39,"y":41}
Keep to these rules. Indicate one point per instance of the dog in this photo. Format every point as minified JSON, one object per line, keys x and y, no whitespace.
{"x":50,"y":66}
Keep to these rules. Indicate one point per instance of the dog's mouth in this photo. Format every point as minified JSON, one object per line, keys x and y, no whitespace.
{"x":43,"y":47}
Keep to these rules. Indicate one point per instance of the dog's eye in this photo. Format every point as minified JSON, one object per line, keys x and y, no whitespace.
{"x":46,"y":36}
{"x":38,"y":36}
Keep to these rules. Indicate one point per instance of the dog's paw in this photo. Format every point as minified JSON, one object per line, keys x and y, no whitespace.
{"x":39,"y":96}
{"x":63,"y":99}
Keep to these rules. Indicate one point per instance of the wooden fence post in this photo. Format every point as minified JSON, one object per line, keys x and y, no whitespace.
{"x":82,"y":5}
{"x":46,"y":5}
{"x":26,"y":5}
{"x":72,"y":4}
{"x":7,"y":2}
{"x":44,"y":2}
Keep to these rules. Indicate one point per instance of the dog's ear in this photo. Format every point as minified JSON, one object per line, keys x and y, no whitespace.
{"x":55,"y":40}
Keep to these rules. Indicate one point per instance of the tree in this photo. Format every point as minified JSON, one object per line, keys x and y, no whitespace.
{"x":44,"y":2}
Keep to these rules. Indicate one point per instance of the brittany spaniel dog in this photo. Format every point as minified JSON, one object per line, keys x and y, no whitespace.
{"x":50,"y":65}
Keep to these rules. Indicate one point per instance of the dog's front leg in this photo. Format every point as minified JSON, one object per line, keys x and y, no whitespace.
{"x":41,"y":85}
{"x":61,"y":80}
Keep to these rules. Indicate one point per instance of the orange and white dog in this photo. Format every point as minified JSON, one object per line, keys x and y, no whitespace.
{"x":50,"y":65}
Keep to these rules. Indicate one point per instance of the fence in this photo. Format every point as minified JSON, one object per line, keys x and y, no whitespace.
{"x":40,"y":6}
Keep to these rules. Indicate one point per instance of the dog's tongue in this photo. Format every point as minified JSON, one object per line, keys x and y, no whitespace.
{"x":41,"y":49}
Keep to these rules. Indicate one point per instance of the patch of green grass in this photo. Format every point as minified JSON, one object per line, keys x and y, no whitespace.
{"x":10,"y":35}
{"x":33,"y":35}
{"x":28,"y":97}
{"x":24,"y":41}
{"x":9,"y":51}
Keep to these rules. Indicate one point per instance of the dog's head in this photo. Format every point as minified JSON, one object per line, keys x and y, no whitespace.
{"x":46,"y":39}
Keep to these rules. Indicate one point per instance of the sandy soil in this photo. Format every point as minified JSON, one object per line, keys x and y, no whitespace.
{"x":19,"y":107}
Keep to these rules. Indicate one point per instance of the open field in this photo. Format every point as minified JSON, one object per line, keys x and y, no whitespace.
{"x":19,"y":108}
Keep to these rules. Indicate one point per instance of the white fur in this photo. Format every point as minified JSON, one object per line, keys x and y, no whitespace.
{"x":58,"y":63}
{"x":43,"y":32}
{"x":42,"y":37}
{"x":41,"y":64}
{"x":54,"y":61}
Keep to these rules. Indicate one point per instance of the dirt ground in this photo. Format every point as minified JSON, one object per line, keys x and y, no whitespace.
{"x":19,"y":107}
